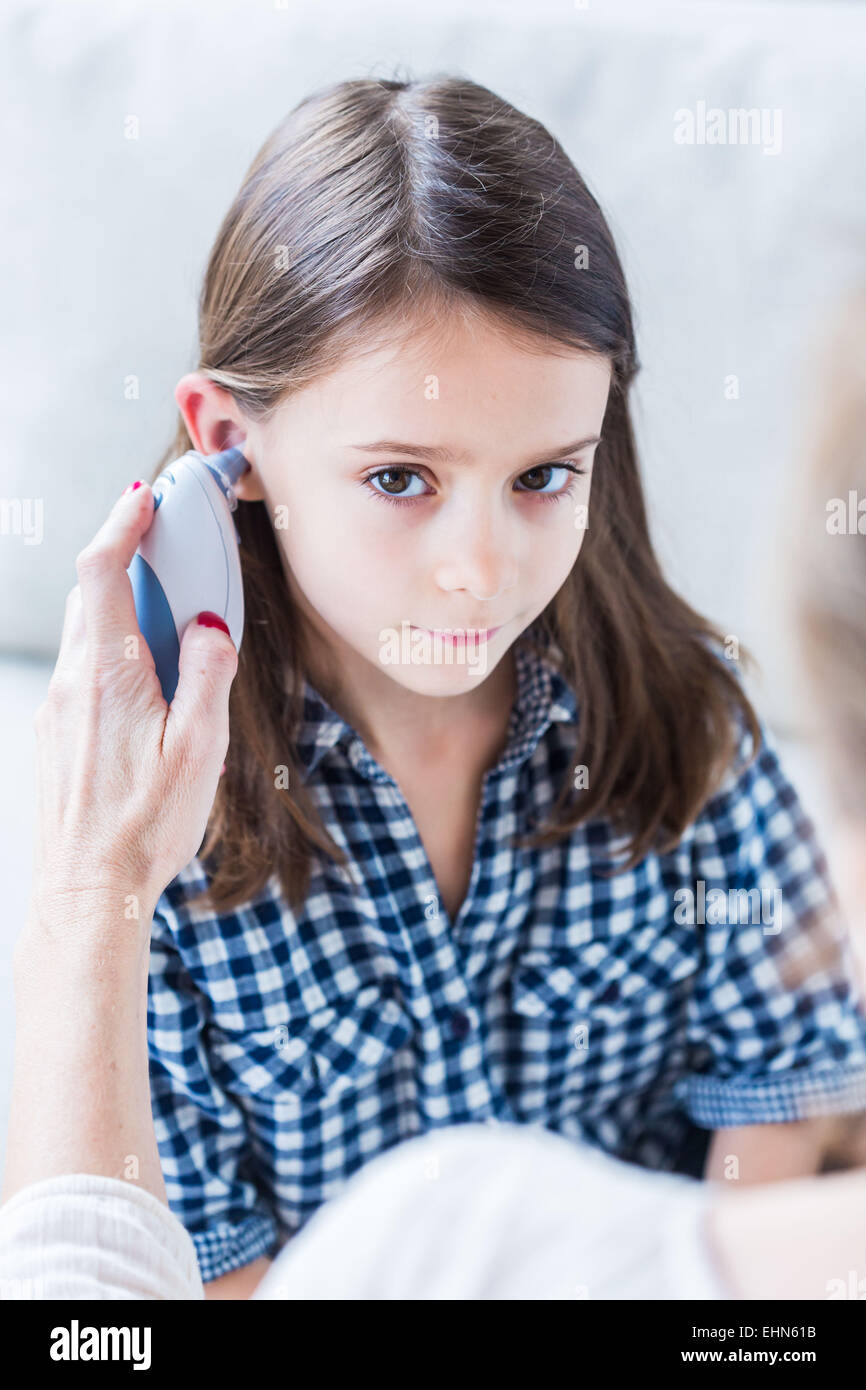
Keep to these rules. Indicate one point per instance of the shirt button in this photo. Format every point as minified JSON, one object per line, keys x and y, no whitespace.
{"x":460,"y":1024}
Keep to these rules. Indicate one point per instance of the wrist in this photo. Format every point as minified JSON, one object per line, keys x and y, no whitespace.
{"x":94,"y":925}
{"x":117,"y":906}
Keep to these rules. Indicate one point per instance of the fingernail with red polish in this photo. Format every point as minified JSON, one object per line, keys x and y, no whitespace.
{"x":212,"y":620}
{"x":131,"y":488}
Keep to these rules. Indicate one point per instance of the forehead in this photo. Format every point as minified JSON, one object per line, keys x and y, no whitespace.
{"x":464,"y":378}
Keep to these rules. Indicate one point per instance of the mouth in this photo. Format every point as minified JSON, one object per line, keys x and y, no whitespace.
{"x":458,"y":635}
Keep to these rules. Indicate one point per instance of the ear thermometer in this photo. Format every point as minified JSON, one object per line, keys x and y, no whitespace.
{"x":188,"y":559}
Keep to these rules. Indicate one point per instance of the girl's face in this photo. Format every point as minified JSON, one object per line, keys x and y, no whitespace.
{"x":432,"y":487}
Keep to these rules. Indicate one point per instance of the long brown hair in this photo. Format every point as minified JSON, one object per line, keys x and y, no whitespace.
{"x":371,"y":198}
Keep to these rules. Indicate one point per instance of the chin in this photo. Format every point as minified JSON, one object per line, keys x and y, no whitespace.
{"x":454,"y":678}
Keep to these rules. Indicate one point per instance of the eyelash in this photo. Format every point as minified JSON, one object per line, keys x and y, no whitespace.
{"x":397,"y":501}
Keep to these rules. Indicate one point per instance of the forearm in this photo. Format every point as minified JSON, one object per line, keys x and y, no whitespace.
{"x":800,"y":1239}
{"x":239,"y":1283}
{"x":770,"y":1152}
{"x":80,"y":1089}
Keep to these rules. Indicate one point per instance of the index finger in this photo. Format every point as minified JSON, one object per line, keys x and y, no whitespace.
{"x":106,"y":592}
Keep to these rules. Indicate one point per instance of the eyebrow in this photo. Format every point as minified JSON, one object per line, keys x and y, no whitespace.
{"x":442,"y":454}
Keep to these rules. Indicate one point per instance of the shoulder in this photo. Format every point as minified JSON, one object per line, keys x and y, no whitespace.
{"x":754,"y":817}
{"x":186,"y":920}
{"x":755,"y":753}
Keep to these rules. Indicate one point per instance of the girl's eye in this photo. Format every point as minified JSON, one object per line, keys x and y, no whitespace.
{"x":388,"y":475}
{"x":397,"y":494}
{"x":549,"y":468}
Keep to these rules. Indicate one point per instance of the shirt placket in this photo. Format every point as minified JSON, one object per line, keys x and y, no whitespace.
{"x":455,"y":1084}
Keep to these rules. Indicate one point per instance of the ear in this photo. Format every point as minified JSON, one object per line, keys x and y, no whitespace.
{"x":214,"y":423}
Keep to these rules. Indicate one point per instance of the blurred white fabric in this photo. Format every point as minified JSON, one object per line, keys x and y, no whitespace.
{"x":468,"y":1212}
{"x":502,"y":1212}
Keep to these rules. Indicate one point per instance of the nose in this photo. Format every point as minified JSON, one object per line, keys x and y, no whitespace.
{"x":479,"y":553}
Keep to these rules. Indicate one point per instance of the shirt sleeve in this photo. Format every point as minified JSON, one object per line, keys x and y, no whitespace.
{"x":84,"y":1235}
{"x":201,"y":1132}
{"x":776,"y":1024}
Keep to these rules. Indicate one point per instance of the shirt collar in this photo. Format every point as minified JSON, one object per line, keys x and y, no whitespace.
{"x":543,"y":697}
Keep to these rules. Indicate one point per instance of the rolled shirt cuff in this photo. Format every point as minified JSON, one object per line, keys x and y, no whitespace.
{"x":229,"y":1245}
{"x":716,"y":1103}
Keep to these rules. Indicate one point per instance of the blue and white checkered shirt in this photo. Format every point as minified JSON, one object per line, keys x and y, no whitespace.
{"x":637,"y":1012}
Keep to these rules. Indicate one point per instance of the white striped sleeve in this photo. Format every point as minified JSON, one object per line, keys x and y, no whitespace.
{"x":82,"y":1235}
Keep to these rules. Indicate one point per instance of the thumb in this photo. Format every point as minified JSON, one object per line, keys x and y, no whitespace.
{"x":207,"y":666}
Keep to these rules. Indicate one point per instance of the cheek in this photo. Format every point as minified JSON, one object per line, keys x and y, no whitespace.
{"x":557,"y":549}
{"x":344,"y":559}
{"x":579,"y":513}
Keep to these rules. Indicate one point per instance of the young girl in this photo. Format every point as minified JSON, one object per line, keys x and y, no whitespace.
{"x":500,"y":837}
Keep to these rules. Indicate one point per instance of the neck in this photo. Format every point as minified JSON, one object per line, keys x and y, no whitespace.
{"x":398,"y":724}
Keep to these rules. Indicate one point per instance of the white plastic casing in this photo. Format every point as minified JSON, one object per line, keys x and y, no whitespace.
{"x":192,"y":547}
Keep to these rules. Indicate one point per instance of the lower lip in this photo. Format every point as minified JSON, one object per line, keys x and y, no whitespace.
{"x":473,"y":634}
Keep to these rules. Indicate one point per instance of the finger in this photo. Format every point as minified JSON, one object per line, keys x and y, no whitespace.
{"x":106,"y":592}
{"x":73,"y":635}
{"x":199,"y":712}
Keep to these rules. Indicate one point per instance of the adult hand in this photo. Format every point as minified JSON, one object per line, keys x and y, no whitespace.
{"x":125,"y":782}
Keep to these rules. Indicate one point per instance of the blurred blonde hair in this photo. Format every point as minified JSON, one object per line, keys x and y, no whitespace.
{"x":827,"y":568}
{"x":828,"y":557}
